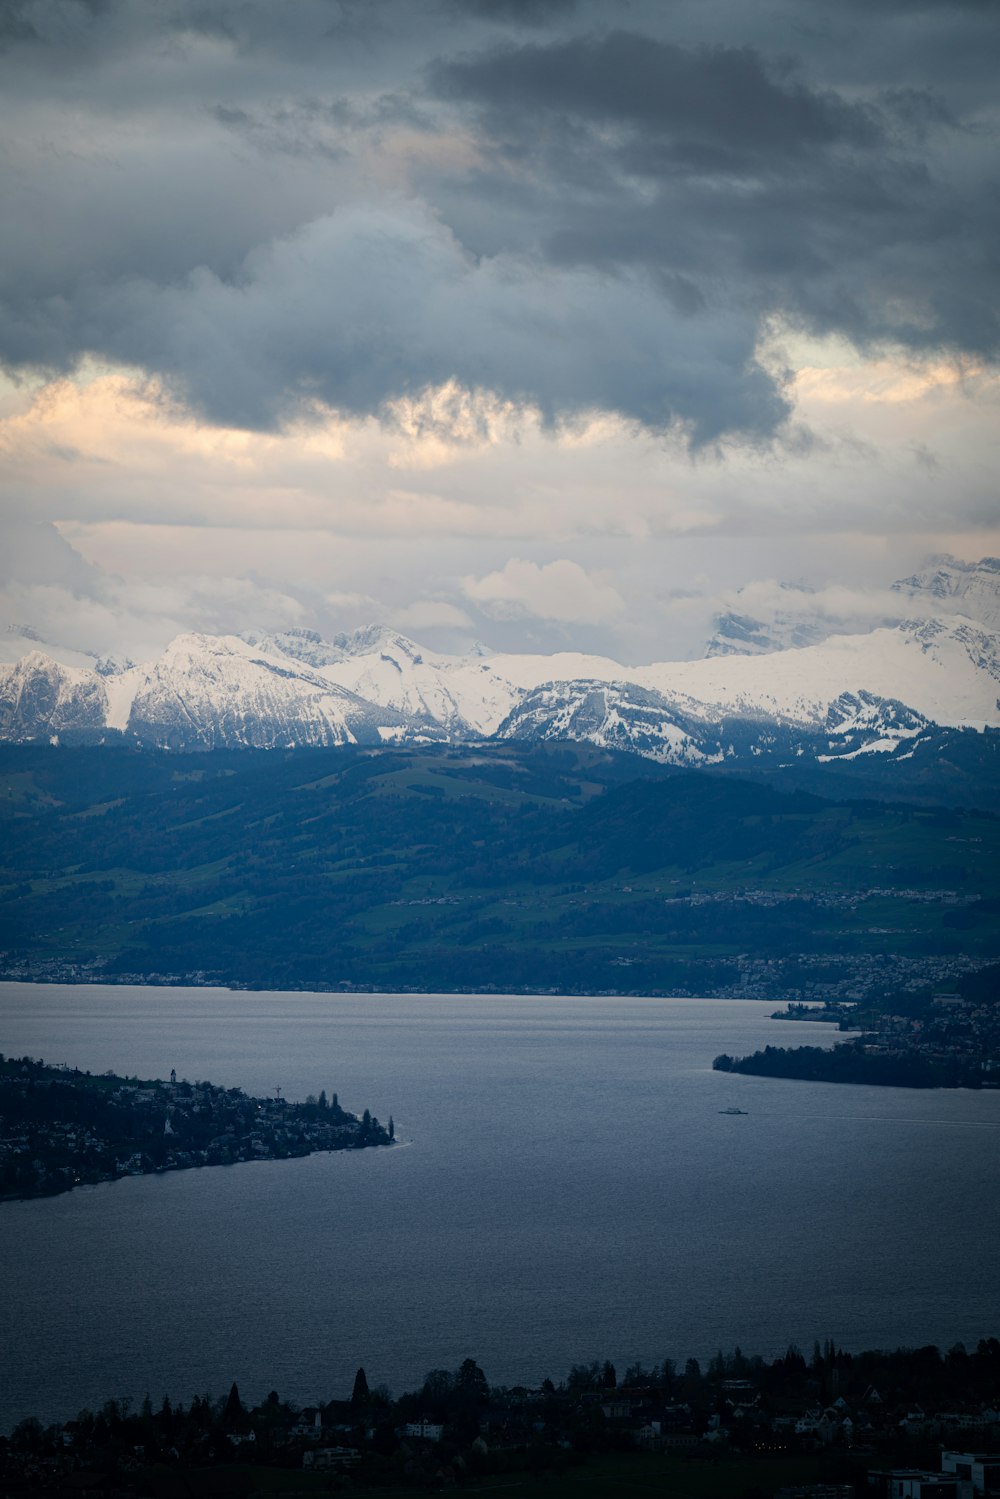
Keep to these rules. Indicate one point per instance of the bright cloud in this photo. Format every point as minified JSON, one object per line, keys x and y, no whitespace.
{"x":557,"y":590}
{"x":524,"y":316}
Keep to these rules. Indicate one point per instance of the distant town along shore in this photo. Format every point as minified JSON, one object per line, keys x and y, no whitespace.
{"x":919,"y":1039}
{"x":61,"y":1127}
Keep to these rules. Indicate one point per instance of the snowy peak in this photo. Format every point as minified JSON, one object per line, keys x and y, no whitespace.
{"x":742,"y":633}
{"x":846,"y":695}
{"x":39,"y":698}
{"x":969,"y":588}
{"x":613,"y":715}
{"x":465,"y":696}
{"x":622,"y":716}
{"x":783,"y":616}
{"x":945,"y":669}
{"x":113,"y":666}
{"x":306,"y":646}
{"x":209,"y":692}
{"x":855,"y":712}
{"x":377,"y":639}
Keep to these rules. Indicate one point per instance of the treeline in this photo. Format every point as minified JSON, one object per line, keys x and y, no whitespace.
{"x":541,"y":1423}
{"x":850,"y":1063}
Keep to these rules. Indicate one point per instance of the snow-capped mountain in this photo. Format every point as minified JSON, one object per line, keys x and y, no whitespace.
{"x":304,"y":646}
{"x":208,"y":692}
{"x":467,"y":696}
{"x":40,"y":698}
{"x":615,"y":715}
{"x":622,"y":716}
{"x":789,"y":618}
{"x":969,"y":588}
{"x":947,"y":669}
{"x":220,"y":691}
{"x":741,"y":633}
{"x":844,"y":696}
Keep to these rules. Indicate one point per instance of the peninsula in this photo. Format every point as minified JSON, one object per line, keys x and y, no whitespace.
{"x":61,"y":1127}
{"x":919,"y":1039}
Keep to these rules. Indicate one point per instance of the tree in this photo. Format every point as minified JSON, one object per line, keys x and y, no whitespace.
{"x":359,"y":1395}
{"x":471,"y":1381}
{"x":233,"y":1413}
{"x":584,"y":1377}
{"x":438,"y":1385}
{"x":609,"y":1378}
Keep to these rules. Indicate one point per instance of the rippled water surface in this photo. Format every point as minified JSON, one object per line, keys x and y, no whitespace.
{"x":565,"y":1189}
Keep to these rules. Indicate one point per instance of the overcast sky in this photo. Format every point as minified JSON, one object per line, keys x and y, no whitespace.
{"x":528,"y":321}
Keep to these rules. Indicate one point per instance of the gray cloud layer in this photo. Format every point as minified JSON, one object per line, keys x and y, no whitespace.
{"x":346,"y":203}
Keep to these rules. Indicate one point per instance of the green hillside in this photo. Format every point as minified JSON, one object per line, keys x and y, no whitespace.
{"x":551,"y":867}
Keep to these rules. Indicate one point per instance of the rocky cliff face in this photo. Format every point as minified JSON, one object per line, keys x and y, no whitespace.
{"x":39,"y":699}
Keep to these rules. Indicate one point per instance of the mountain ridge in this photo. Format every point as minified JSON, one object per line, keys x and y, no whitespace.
{"x":885,"y":692}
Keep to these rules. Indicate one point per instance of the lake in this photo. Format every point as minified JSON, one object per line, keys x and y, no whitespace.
{"x":565,"y":1189}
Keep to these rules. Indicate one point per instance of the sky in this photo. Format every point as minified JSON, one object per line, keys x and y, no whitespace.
{"x":541,"y":323}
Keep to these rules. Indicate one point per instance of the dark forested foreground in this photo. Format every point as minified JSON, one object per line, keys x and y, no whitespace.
{"x":553,"y":868}
{"x":60,"y":1127}
{"x":914,"y":1040}
{"x":741,"y":1426}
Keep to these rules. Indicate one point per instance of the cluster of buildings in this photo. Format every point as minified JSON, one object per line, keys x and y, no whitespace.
{"x":844,"y":978}
{"x":60,"y":1127}
{"x":456,"y":1430}
{"x":963,"y":1475}
{"x":953,"y":1031}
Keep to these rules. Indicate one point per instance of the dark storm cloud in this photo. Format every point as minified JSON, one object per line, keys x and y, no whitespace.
{"x":712,"y":171}
{"x":527,"y":12}
{"x":346,"y":202}
{"x":717,"y":99}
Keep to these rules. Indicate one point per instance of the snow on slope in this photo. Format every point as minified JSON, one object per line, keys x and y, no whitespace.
{"x":741,"y":633}
{"x":948,"y":587}
{"x":307,"y":647}
{"x":376,"y":686}
{"x":41,"y":698}
{"x":947,"y":669}
{"x":614,"y":715}
{"x":467,"y":695}
{"x":624,"y":717}
{"x":209,"y":691}
{"x":970,"y":588}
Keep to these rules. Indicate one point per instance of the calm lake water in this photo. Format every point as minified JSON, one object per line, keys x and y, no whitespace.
{"x":565,"y":1189}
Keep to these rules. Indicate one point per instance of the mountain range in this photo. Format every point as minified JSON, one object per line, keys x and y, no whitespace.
{"x":768,"y":695}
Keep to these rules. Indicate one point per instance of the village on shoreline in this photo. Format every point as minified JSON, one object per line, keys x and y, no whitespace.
{"x":921,"y":1039}
{"x":61,"y":1127}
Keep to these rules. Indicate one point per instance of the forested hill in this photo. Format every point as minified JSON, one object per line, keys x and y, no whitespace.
{"x":546,"y":867}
